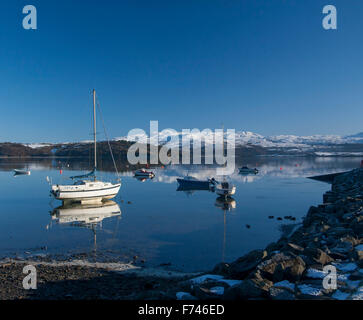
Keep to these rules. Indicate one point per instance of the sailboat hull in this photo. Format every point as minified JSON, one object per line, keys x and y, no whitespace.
{"x":86,"y":194}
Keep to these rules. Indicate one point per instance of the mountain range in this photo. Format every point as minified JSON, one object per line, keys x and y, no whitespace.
{"x":246,"y":144}
{"x":250,"y":138}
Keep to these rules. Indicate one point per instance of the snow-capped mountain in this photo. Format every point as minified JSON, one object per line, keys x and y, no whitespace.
{"x":174,"y":138}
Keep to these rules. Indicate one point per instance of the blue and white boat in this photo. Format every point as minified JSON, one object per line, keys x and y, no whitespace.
{"x":192,"y":182}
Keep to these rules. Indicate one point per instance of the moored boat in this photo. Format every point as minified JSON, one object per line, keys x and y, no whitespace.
{"x":192,"y":182}
{"x":21,"y":172}
{"x":144,"y":173}
{"x":225,"y":189}
{"x":248,"y":170}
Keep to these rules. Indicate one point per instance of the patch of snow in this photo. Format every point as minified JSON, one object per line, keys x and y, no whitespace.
{"x":285,"y":284}
{"x":316,"y":274}
{"x":358,"y":295}
{"x":205,"y":277}
{"x":353,"y":284}
{"x":346,"y":267}
{"x":310,"y":290}
{"x":184,"y":296}
{"x":320,"y":274}
{"x":217,"y":290}
{"x":36,"y":145}
{"x":340,"y":295}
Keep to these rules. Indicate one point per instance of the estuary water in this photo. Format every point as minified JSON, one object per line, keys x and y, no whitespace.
{"x":151,"y":222}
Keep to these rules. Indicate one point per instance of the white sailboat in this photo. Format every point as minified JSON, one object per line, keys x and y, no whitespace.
{"x":87,"y":191}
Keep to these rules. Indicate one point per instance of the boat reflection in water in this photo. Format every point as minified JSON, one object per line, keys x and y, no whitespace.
{"x":86,"y":215}
{"x":143,"y":179}
{"x":225,"y":204}
{"x":189,"y":190}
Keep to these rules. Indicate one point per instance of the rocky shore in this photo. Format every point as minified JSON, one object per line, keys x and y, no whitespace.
{"x":293,"y":267}
{"x":327,"y":245}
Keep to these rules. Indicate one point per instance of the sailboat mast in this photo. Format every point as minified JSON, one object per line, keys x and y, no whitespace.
{"x":94,"y":126}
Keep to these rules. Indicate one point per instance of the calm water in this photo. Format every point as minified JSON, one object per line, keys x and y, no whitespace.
{"x":192,"y":231}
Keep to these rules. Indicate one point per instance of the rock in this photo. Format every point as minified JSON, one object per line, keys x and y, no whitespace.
{"x":358,"y":228}
{"x":282,"y":266}
{"x":221,"y":269}
{"x":249,"y":288}
{"x":358,"y":251}
{"x":281,"y":294}
{"x":343,"y":247}
{"x":316,"y":255}
{"x":240,"y":268}
{"x":340,"y":231}
{"x":295,"y":247}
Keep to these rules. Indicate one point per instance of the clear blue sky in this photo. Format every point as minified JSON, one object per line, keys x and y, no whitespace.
{"x":266,"y":66}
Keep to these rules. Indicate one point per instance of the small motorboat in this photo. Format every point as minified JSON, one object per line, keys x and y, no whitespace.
{"x":225,"y":189}
{"x":248,"y":170}
{"x":144,"y":173}
{"x":21,"y":172}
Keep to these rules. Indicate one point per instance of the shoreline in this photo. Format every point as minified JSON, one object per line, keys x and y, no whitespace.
{"x":291,"y":268}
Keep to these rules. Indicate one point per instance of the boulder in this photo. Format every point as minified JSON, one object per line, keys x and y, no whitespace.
{"x":315,"y":255}
{"x":241,"y":268}
{"x":221,"y":269}
{"x":281,"y":294}
{"x":282,"y":266}
{"x":249,"y":289}
{"x":358,"y":251}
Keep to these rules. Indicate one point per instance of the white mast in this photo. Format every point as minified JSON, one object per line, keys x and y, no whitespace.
{"x":94,"y":126}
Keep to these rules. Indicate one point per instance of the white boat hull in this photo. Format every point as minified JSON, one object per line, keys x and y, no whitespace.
{"x":225,"y":192}
{"x":80,"y":194}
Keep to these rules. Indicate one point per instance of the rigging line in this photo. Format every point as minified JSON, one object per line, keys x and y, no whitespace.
{"x":108,"y":141}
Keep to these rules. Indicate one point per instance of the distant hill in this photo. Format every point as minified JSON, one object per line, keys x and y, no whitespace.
{"x":247,"y":144}
{"x":358,"y":135}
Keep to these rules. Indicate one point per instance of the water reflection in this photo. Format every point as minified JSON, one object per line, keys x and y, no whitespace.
{"x":189,"y":190}
{"x":88,"y":216}
{"x":143,"y":179}
{"x":225,"y":204}
{"x":85,"y":215}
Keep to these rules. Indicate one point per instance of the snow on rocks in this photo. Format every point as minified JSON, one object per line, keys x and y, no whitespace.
{"x":309,"y":290}
{"x":285,"y":284}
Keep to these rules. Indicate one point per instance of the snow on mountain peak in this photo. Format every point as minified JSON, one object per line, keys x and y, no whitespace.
{"x":250,"y":138}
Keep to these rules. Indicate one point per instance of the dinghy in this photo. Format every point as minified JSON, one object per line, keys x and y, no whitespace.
{"x":21,"y":172}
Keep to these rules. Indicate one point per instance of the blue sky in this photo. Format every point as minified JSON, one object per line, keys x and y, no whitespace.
{"x":265,"y":66}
